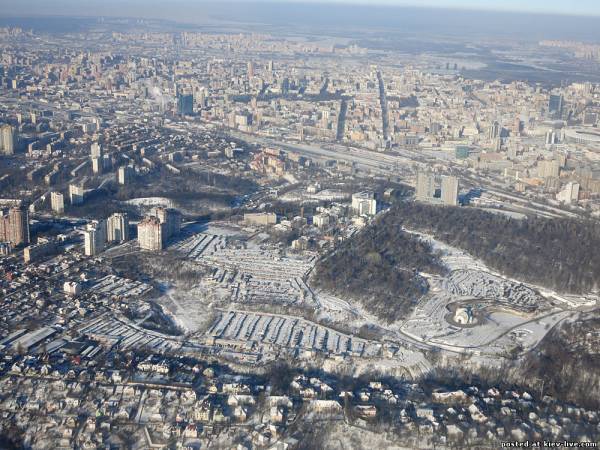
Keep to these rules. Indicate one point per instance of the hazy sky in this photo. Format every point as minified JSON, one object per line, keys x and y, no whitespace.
{"x":584,"y":7}
{"x":108,"y":7}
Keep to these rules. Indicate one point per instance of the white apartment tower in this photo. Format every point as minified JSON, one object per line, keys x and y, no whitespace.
{"x":450,"y":190}
{"x":57,"y":201}
{"x":117,"y":228}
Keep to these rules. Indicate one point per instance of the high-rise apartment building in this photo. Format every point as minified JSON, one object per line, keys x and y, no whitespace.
{"x":495,"y":130}
{"x":117,"y":228}
{"x":57,"y":201}
{"x":89,"y":242}
{"x":185,"y":103}
{"x":170,"y":219}
{"x":364,"y":203}
{"x":14,"y":226}
{"x":7,"y":140}
{"x":150,"y":234}
{"x":95,"y":151}
{"x":97,"y":165}
{"x":449,"y":190}
{"x":555,"y":106}
{"x":76,"y":194}
{"x":549,"y":168}
{"x":124,"y":175}
{"x":569,"y":194}
{"x":95,"y":238}
{"x":425,"y":186}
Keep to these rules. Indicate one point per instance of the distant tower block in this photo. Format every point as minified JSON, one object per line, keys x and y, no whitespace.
{"x":124,"y":175}
{"x":94,"y":238}
{"x":97,"y":165}
{"x":425,"y":186}
{"x":117,"y":228}
{"x":95,"y":150}
{"x":450,"y":191}
{"x":7,"y":140}
{"x":14,"y":226}
{"x":76,"y":194}
{"x":57,"y":200}
{"x":170,"y":220}
{"x":150,"y":234}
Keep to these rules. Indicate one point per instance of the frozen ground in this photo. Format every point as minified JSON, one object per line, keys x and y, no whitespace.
{"x":290,"y":332}
{"x":149,"y":202}
{"x":514,"y":313}
{"x":480,"y":284}
{"x":330,"y":195}
{"x":240,"y":306}
{"x":114,"y":286}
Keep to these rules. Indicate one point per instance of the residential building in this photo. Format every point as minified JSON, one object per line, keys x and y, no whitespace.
{"x":7,"y":140}
{"x":117,"y":228}
{"x":76,"y":194}
{"x":260,"y":219}
{"x":364,"y":203}
{"x":150,"y":234}
{"x":95,"y":238}
{"x":57,"y":201}
{"x":14,"y":226}
{"x":449,"y":190}
{"x":170,"y":220}
{"x":425,"y":186}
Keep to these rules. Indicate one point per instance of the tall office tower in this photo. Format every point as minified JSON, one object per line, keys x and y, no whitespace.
{"x":76,"y":194}
{"x":117,"y":228}
{"x":150,"y":234}
{"x":425,"y":186}
{"x":555,"y":106}
{"x":57,"y":201}
{"x":95,"y":151}
{"x":494,"y":131}
{"x":270,"y":66}
{"x":170,"y":219}
{"x":7,"y":136}
{"x":250,"y":69}
{"x":14,"y":226}
{"x":450,"y":190}
{"x":95,"y":238}
{"x":185,"y":103}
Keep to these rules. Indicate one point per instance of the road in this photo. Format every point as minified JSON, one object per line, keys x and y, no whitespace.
{"x":397,"y":166}
{"x":363,"y":159}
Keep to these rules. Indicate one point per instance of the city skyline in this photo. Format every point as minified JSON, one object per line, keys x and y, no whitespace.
{"x":298,"y":226}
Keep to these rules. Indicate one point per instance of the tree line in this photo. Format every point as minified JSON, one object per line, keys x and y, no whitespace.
{"x":379,"y":267}
{"x":560,"y":254}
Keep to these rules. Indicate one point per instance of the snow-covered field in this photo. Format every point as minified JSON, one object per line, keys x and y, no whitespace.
{"x":513,"y":312}
{"x":149,"y":202}
{"x":242,"y":302}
